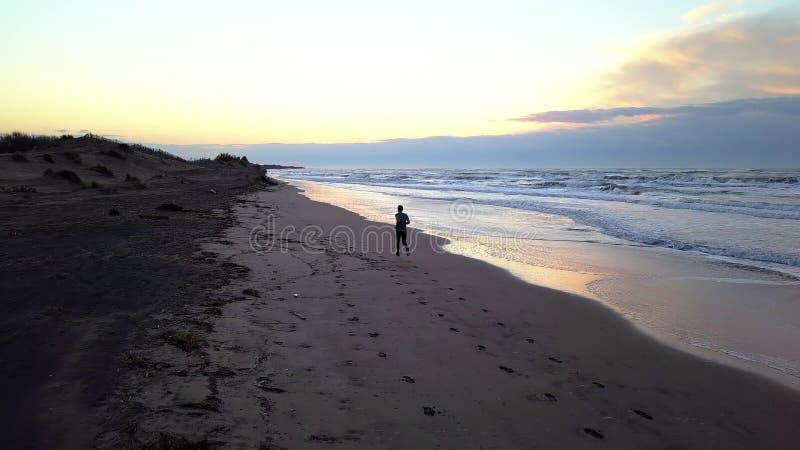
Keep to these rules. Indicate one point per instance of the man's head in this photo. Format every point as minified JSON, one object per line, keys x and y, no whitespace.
{"x":399,"y":208}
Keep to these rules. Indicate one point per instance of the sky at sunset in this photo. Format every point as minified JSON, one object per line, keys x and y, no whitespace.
{"x":195,"y":77}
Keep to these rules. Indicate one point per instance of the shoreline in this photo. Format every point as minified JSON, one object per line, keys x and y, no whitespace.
{"x":763,"y":370}
{"x":737,"y":362}
{"x":379,"y":351}
{"x":582,"y":283}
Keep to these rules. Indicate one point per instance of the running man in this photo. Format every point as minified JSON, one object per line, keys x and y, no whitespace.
{"x":401,"y":220}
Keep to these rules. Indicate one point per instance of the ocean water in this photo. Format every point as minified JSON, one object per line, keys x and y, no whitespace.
{"x":705,"y":259}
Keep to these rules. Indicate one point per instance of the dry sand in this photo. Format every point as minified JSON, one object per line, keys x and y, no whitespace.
{"x":428,"y":351}
{"x":77,"y":283}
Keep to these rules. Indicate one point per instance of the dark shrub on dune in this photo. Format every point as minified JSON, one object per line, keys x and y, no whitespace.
{"x":154,"y":152}
{"x":47,"y":158}
{"x":133,"y":182}
{"x":21,"y":142}
{"x":74,"y":157}
{"x":102,"y":170}
{"x":68,"y":175}
{"x":226,"y":157}
{"x":113,"y":154}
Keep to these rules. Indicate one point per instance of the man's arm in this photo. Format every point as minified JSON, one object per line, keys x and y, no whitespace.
{"x":408,"y":221}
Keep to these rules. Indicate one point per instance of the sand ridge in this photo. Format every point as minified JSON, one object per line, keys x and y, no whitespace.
{"x":84,"y":267}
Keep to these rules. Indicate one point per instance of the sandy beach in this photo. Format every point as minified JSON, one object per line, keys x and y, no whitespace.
{"x":204,"y":305}
{"x":428,"y":351}
{"x":201,"y":206}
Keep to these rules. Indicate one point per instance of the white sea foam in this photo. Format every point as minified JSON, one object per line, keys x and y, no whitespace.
{"x":703,"y":279}
{"x":752,"y":216}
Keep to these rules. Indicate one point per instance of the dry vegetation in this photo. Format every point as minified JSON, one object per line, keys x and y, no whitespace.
{"x":21,"y":142}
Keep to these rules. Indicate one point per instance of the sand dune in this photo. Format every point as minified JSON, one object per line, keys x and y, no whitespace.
{"x":82,"y":267}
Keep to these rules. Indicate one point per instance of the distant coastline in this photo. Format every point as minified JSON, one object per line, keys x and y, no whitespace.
{"x":278,"y":166}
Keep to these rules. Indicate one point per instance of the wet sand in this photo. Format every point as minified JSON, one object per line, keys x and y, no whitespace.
{"x":432,"y":350}
{"x":740,"y":315}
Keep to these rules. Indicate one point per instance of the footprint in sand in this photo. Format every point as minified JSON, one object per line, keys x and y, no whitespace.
{"x":350,"y":305}
{"x":593,"y":433}
{"x":397,"y":282}
{"x":599,"y":384}
{"x":500,"y":324}
{"x":374,"y":334}
{"x":274,"y":390}
{"x":542,"y":397}
{"x":408,"y":379}
{"x":440,"y":315}
{"x":484,"y":310}
{"x":641,"y":413}
{"x":381,"y":355}
{"x":450,"y":289}
{"x":428,"y":411}
{"x":455,"y":329}
{"x":462,"y":299}
{"x":353,"y":319}
{"x":481,"y":348}
{"x":529,"y":340}
{"x":506,"y":369}
{"x":413,"y":292}
{"x":264,"y":384}
{"x":554,"y":359}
